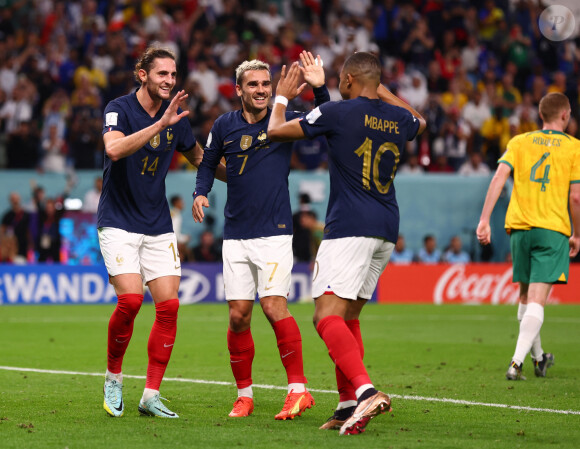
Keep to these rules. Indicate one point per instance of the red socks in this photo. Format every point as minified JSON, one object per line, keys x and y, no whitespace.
{"x":343,"y":349}
{"x":161,"y":341}
{"x":345,"y":390}
{"x":121,"y":329}
{"x":290,"y":347}
{"x":241,"y":347}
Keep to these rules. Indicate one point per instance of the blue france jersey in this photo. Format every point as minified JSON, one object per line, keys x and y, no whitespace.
{"x":365,"y":138}
{"x":258,"y":203}
{"x":133,"y":197}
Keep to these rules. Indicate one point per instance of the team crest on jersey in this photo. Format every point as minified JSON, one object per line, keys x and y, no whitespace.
{"x":155,"y":141}
{"x":262,"y":137}
{"x":169,"y":139}
{"x":245,"y":142}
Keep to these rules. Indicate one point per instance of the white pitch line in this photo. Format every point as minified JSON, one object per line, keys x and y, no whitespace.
{"x":277,"y":387}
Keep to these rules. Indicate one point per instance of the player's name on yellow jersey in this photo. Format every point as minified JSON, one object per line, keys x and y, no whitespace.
{"x":546,"y":141}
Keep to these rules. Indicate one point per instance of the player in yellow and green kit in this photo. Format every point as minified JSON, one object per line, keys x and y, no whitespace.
{"x":546,"y":170}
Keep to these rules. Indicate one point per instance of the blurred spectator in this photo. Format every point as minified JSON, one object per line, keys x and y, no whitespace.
{"x":429,"y":253}
{"x":418,"y":45}
{"x":474,"y":166}
{"x":301,"y":240}
{"x":452,"y":141}
{"x":23,"y":147}
{"x":176,"y":207}
{"x":436,"y":84}
{"x":207,"y":250}
{"x":310,"y":154}
{"x":523,"y":122}
{"x":526,"y":111}
{"x":440,"y":164}
{"x":413,"y":89}
{"x":455,"y":252}
{"x":53,"y":151}
{"x":412,"y":166}
{"x":476,"y":111}
{"x":16,"y":223}
{"x":490,"y":17}
{"x":309,"y":221}
{"x":270,"y":21}
{"x":85,"y":144}
{"x":454,"y":99}
{"x":401,"y":254}
{"x":496,"y":134}
{"x":9,"y":250}
{"x":558,"y":83}
{"x":207,"y":79}
{"x":47,"y":244}
{"x":509,"y":94}
{"x":19,"y":107}
{"x":92,"y":197}
{"x":470,"y":54}
{"x":572,"y":127}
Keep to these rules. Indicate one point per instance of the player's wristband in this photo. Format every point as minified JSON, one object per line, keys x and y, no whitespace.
{"x":281,"y":99}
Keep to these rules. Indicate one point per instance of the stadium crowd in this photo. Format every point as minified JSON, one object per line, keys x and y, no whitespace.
{"x":475,"y":70}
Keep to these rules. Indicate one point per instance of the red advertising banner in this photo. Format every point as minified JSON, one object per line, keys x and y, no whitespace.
{"x":475,"y":283}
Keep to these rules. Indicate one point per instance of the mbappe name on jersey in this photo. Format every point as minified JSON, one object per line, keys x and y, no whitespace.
{"x":382,"y":125}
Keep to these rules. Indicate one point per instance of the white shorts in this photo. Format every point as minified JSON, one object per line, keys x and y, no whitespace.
{"x":263,"y":265}
{"x":151,"y":256}
{"x":350,"y":267}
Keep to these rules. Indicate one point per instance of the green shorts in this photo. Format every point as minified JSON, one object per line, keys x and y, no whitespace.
{"x":540,"y":255}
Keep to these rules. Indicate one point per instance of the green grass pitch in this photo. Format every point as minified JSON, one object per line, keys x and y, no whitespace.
{"x":443,"y":365}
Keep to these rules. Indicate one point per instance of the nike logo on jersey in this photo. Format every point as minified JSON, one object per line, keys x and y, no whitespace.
{"x":228,"y":142}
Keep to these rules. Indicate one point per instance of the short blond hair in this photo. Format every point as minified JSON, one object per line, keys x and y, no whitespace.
{"x":254,"y":64}
{"x":552,"y":105}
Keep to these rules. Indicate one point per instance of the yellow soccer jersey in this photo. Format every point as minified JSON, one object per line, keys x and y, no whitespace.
{"x":544,"y":164}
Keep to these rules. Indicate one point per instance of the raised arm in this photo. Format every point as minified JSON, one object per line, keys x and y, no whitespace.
{"x":388,"y":97}
{"x":495,"y":187}
{"x":279,"y":130}
{"x":118,"y":145}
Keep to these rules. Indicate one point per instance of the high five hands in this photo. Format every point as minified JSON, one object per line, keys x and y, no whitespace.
{"x":311,"y":71}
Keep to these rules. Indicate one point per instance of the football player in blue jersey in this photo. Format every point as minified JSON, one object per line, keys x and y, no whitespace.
{"x":257,"y":247}
{"x":365,"y":133}
{"x":141,"y":132}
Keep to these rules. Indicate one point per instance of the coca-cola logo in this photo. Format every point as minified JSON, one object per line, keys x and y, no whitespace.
{"x":455,"y":285}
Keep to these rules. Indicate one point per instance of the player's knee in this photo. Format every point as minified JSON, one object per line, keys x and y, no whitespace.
{"x":129,"y":304}
{"x":239,"y":320}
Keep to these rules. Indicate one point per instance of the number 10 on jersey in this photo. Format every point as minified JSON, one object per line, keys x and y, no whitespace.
{"x":365,"y":150}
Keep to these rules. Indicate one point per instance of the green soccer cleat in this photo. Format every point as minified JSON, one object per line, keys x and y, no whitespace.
{"x":113,"y":403}
{"x":154,"y":407}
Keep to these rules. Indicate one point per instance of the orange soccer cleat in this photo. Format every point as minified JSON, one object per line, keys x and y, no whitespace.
{"x":295,"y":404}
{"x":242,"y":407}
